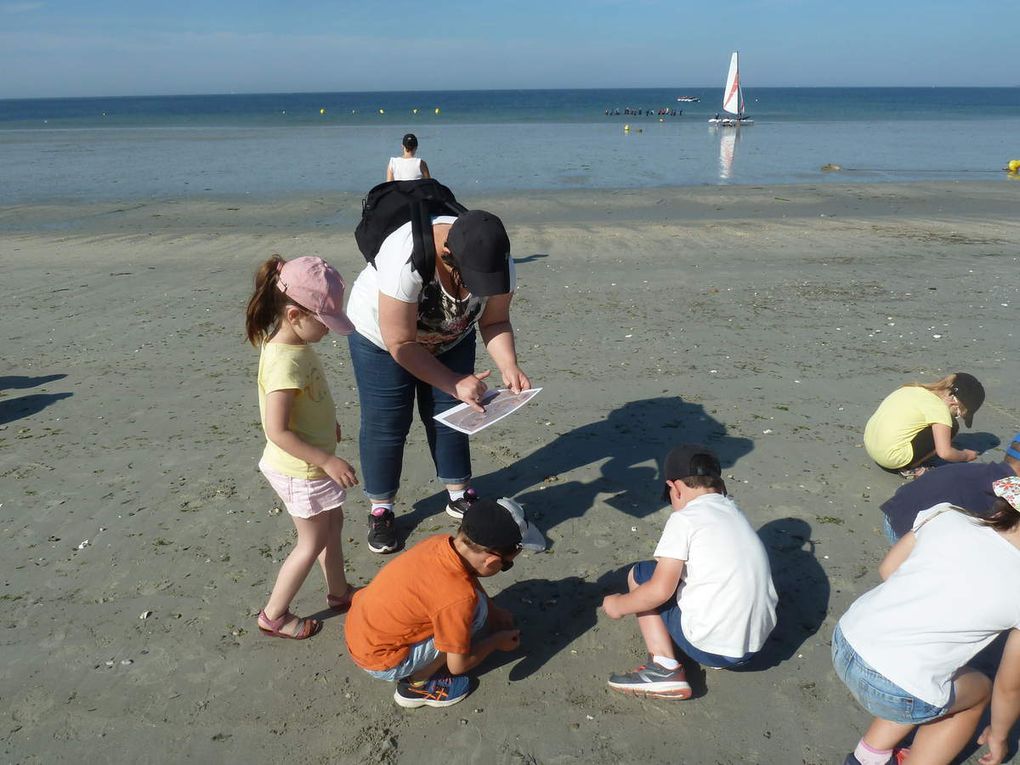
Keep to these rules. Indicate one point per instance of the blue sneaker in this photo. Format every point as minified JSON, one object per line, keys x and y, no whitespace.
{"x":437,"y":691}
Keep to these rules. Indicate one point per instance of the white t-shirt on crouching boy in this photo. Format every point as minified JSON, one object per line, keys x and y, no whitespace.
{"x":726,"y":593}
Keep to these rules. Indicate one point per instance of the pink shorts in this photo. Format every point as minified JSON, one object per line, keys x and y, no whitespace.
{"x":305,"y":497}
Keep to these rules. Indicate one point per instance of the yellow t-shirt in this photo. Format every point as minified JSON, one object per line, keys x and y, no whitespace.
{"x":901,"y":416}
{"x":313,"y":416}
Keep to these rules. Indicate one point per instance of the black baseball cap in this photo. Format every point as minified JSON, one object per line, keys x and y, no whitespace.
{"x":480,"y":248}
{"x":969,"y":392}
{"x":686,"y":460}
{"x":491,"y":525}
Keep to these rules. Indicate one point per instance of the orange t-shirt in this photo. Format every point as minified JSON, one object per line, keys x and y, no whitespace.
{"x":424,"y":592}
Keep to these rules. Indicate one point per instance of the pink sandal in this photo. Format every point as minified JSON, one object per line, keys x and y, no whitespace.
{"x":342,"y":603}
{"x":911,"y":473}
{"x":309,"y":627}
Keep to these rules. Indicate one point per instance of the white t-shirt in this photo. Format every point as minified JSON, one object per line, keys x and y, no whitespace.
{"x":405,"y":168}
{"x":726,"y":592}
{"x":443,"y":320}
{"x":948,"y":600}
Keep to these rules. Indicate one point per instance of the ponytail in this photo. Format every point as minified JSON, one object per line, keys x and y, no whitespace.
{"x":1001,"y":516}
{"x":939,"y":386}
{"x":263,"y":315}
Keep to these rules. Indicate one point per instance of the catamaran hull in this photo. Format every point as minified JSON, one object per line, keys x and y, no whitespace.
{"x":729,"y":122}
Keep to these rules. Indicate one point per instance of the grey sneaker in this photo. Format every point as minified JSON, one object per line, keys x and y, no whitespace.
{"x":455,"y":507}
{"x":382,"y":532}
{"x":652,"y":681}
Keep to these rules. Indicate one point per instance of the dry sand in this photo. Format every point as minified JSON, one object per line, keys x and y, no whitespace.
{"x":138,"y":539}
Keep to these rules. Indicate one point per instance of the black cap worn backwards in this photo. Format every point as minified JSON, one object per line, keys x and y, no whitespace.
{"x":686,"y":460}
{"x":489,"y":524}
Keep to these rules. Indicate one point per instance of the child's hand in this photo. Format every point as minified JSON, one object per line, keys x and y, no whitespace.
{"x":507,"y":640}
{"x":341,"y":471}
{"x":969,"y":455}
{"x":610,"y":604}
{"x":500,"y":618}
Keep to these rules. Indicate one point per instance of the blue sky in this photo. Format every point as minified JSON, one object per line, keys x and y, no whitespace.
{"x":115,"y":47}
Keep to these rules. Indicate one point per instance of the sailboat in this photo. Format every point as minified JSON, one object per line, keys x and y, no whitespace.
{"x":733,"y":99}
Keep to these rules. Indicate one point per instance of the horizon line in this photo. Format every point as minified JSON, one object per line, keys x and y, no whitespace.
{"x":502,"y":90}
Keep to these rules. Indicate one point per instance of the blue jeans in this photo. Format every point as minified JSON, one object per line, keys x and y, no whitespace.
{"x":672,"y":616}
{"x":387,"y":392}
{"x":875,"y":692}
{"x":425,"y":652}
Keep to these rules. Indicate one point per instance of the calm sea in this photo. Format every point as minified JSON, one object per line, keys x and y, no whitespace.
{"x":274,"y":145}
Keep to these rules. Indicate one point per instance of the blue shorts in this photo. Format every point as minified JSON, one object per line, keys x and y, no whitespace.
{"x":876,"y":693}
{"x":670,"y":613}
{"x":424,"y":653}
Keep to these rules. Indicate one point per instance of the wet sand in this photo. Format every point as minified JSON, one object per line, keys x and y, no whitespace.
{"x":139,"y":540}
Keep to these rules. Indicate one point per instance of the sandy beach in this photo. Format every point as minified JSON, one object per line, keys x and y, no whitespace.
{"x":139,"y":540}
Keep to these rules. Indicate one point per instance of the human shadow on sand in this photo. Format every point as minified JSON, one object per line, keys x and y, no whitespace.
{"x":19,"y":382}
{"x":630,"y":444}
{"x":803,"y":590}
{"x":551,"y":614}
{"x":25,"y":406}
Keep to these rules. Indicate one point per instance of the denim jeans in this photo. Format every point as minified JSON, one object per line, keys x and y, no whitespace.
{"x":877,"y":693}
{"x":424,"y":652}
{"x":387,"y":393}
{"x":672,"y":616}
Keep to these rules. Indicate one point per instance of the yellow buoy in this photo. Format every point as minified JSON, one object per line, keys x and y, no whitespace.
{"x":322,"y":110}
{"x":437,"y":110}
{"x":1013,"y":166}
{"x":414,"y":111}
{"x":382,"y":112}
{"x":626,"y":128}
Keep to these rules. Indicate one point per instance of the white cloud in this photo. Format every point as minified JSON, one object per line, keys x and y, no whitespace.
{"x":20,"y":7}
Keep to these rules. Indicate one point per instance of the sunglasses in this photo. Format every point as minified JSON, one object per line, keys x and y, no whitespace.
{"x":506,"y":558}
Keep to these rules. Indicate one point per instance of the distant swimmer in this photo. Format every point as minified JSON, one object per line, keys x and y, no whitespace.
{"x":407,"y":167}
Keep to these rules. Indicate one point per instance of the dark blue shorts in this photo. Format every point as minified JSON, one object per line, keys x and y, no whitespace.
{"x":671,"y":615}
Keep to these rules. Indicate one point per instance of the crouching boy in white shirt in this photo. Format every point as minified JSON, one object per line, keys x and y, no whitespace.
{"x":709,"y":589}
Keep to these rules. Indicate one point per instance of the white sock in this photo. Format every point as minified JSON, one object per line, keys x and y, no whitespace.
{"x":665,"y":661}
{"x":867,"y":755}
{"x":456,"y":494}
{"x":378,"y":508}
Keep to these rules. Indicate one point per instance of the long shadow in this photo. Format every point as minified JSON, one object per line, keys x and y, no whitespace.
{"x":25,"y":406}
{"x":531,"y":258}
{"x":625,"y":442}
{"x":19,"y":382}
{"x":551,"y":614}
{"x":802,"y":587}
{"x":979,"y":442}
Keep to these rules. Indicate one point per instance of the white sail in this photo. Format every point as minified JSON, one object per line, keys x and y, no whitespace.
{"x":733,"y":99}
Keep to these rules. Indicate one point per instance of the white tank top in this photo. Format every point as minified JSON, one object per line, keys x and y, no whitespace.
{"x":405,"y":168}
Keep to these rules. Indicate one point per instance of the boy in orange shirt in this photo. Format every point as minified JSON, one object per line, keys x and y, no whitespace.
{"x":422,"y":620}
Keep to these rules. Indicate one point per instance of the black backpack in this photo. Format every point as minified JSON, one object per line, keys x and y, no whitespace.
{"x":390,"y":205}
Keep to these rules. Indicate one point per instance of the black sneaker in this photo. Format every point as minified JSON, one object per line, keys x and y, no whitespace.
{"x":455,"y":507}
{"x":652,"y":681}
{"x":438,"y":691}
{"x":382,"y":532}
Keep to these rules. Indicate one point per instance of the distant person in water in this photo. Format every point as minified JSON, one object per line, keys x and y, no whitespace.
{"x":407,"y":167}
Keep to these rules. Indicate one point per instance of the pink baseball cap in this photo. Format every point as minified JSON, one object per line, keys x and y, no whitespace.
{"x":317,"y":287}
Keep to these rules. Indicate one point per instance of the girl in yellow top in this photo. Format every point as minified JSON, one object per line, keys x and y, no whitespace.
{"x":917,"y":421}
{"x":297,"y":303}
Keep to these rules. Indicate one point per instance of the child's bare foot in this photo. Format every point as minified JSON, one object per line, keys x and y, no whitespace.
{"x":288,"y":626}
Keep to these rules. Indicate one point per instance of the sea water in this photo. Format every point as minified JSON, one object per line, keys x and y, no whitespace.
{"x":273,"y":145}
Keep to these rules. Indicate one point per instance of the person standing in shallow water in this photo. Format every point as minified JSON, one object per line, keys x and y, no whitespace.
{"x":407,"y":167}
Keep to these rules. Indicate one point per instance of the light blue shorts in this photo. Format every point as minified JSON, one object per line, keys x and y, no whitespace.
{"x":424,"y":653}
{"x":876,"y":693}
